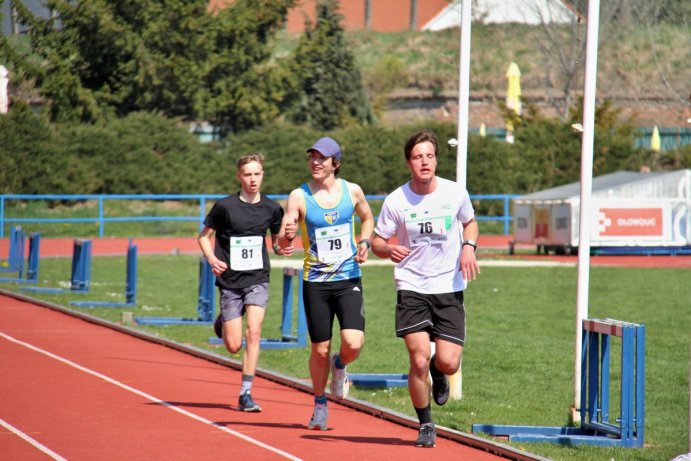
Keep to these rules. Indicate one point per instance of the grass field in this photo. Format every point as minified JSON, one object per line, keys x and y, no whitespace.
{"x":518,"y":361}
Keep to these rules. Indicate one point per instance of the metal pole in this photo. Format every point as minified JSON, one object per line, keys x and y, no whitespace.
{"x":586,"y":191}
{"x":413,"y":15}
{"x":456,"y":380}
{"x":368,"y":14}
{"x":101,"y":222}
{"x":463,"y":94}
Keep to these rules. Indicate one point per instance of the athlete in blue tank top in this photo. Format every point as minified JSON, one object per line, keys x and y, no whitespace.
{"x":328,"y":237}
{"x":324,"y":209}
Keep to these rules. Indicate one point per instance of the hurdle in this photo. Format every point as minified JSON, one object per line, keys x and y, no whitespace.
{"x":15,"y":257}
{"x":595,"y":426}
{"x":32,"y":267}
{"x":205,"y":305}
{"x":80,"y":278}
{"x":290,"y":339}
{"x":378,"y":379}
{"x":130,"y":285}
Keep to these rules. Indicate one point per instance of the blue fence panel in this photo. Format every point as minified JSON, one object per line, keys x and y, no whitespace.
{"x":102,"y":219}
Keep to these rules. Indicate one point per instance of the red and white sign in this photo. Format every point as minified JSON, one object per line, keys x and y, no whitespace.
{"x":631,"y":223}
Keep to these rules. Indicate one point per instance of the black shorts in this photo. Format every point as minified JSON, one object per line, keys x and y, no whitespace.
{"x":441,"y":315}
{"x":326,"y":300}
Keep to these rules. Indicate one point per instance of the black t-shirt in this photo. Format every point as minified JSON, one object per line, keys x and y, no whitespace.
{"x":231,"y":217}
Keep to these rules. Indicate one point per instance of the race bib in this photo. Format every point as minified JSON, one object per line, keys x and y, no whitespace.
{"x":426,"y":227}
{"x":333,"y":243}
{"x":246,"y":253}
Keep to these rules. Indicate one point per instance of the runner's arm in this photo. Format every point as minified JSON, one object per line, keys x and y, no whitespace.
{"x":364,"y":211}
{"x":204,"y":239}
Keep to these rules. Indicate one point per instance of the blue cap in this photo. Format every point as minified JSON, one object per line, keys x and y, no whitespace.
{"x":327,"y":147}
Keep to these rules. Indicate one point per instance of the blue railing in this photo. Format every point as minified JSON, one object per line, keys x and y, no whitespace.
{"x":102,"y":219}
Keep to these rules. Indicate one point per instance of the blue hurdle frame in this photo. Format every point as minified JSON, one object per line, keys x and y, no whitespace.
{"x":130,"y":285}
{"x":205,"y":304}
{"x":33,"y":259}
{"x":595,"y":427}
{"x":15,"y":257}
{"x":289,"y":338}
{"x":80,"y":274}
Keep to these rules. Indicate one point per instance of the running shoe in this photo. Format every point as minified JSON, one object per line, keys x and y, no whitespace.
{"x":318,"y":420}
{"x":427,"y":436}
{"x":245,"y":403}
{"x":218,"y":326}
{"x":339,"y":379}
{"x":440,"y":384}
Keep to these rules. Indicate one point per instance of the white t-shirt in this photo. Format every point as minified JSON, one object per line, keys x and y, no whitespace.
{"x":431,"y":226}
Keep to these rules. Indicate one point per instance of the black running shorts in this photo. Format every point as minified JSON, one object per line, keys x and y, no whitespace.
{"x":442,"y":315}
{"x":326,"y":300}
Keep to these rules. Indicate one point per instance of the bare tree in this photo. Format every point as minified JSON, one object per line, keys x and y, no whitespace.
{"x":621,"y":22}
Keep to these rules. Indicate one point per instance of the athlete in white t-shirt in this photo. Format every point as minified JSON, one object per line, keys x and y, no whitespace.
{"x":435,"y":231}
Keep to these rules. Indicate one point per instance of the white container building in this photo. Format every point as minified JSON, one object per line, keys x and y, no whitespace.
{"x":629,"y":210}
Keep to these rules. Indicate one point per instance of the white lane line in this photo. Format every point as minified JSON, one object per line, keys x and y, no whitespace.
{"x":32,"y":441}
{"x":150,"y":398}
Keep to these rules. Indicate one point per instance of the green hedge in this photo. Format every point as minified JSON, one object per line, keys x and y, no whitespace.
{"x":148,"y":153}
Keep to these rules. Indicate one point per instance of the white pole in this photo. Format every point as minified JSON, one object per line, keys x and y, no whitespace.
{"x":586,"y":190}
{"x":456,"y":380}
{"x":463,"y":94}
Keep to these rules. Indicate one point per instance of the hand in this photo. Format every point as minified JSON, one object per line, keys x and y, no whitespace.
{"x":218,"y":267}
{"x":288,"y":251}
{"x":362,"y":253}
{"x":399,"y":253}
{"x":469,"y":265}
{"x":291,"y":229}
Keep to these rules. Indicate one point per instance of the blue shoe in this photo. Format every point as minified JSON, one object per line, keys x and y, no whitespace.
{"x":246,"y":404}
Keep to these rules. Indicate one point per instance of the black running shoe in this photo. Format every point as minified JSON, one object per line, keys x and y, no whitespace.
{"x":218,"y":326}
{"x":440,"y":384}
{"x":247,"y":404}
{"x":427,"y":436}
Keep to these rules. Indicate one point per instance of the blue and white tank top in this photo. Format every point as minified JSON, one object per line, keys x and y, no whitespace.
{"x":328,"y":237}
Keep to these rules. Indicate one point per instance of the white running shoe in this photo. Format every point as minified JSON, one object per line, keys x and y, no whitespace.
{"x":339,"y":379}
{"x":319,"y":417}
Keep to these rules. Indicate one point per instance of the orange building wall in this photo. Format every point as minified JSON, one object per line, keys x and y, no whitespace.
{"x":385,"y":15}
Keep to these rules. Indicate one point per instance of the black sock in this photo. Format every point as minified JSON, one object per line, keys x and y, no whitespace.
{"x":424,"y":415}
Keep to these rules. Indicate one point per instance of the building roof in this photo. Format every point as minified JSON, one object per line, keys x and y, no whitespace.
{"x":612,"y":184}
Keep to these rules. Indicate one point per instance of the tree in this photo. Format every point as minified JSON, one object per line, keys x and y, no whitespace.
{"x":241,"y":89}
{"x":330,"y":92}
{"x":102,"y":57}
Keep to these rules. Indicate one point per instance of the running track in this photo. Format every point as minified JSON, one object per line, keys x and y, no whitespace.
{"x":76,"y":389}
{"x":81,"y":389}
{"x":167,"y":245}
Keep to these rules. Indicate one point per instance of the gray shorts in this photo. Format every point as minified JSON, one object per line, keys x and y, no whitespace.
{"x":233,"y":301}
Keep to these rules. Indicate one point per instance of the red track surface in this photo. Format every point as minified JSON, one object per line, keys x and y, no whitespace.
{"x":87,"y":392}
{"x":118,"y":246}
{"x":84,"y":391}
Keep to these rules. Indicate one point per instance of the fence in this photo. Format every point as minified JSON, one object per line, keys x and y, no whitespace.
{"x":103,"y":218}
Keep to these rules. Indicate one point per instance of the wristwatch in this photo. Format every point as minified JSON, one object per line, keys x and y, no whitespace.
{"x":472,"y":243}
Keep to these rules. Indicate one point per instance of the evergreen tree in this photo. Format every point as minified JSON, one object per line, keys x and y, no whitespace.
{"x":331,"y":94}
{"x":101,"y":57}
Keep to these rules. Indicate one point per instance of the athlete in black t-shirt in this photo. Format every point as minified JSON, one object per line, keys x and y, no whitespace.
{"x":240,"y":261}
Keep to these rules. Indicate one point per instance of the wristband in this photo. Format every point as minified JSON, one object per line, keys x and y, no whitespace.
{"x":366,"y":242}
{"x":472,"y":243}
